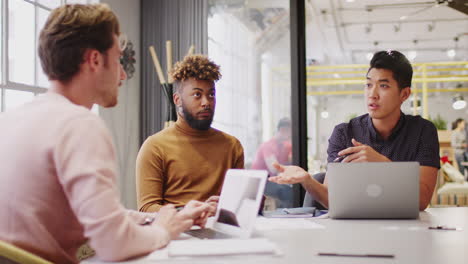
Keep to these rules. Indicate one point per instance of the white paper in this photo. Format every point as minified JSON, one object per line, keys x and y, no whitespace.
{"x":220,"y":247}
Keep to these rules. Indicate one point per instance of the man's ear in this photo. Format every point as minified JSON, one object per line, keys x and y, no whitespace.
{"x":177,"y":99}
{"x":92,"y":58}
{"x":405,"y":93}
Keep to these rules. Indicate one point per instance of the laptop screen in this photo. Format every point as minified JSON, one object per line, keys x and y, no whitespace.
{"x":240,"y":198}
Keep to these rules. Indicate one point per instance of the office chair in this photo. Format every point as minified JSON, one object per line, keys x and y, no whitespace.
{"x":10,"y":254}
{"x":309,"y":201}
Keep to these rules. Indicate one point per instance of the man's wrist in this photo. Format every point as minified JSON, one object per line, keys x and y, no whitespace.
{"x":148,"y":220}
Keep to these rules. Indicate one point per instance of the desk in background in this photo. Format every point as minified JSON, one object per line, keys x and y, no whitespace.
{"x":409,"y":240}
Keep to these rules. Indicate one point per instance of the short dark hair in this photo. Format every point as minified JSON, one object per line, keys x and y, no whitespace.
{"x":456,"y":123}
{"x":396,"y":62}
{"x":284,"y":122}
{"x":69,"y":31}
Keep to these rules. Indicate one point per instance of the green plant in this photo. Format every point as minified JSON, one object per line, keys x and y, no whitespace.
{"x":439,"y":122}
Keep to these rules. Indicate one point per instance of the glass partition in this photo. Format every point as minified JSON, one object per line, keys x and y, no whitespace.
{"x":250,"y":40}
{"x":341,"y":38}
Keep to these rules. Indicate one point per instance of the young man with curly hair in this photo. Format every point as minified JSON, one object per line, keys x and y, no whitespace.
{"x":384,"y":134}
{"x":189,"y":159}
{"x":58,"y":185}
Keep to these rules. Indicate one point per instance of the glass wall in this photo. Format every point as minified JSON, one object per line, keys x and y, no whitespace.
{"x":250,"y":40}
{"x":342,"y":36}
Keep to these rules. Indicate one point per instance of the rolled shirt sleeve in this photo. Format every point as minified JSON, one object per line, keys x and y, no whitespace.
{"x":336,"y":142}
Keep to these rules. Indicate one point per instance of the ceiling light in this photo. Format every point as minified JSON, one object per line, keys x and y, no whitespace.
{"x":451,"y":53}
{"x":458,"y":102}
{"x":412,"y":54}
{"x":350,"y":1}
{"x":324,"y":114}
{"x":369,"y":55}
{"x":403,"y":17}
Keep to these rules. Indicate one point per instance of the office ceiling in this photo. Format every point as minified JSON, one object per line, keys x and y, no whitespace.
{"x":351,"y":29}
{"x":346,"y":31}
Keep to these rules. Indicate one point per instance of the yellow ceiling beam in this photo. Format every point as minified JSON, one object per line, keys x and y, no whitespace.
{"x":457,"y":90}
{"x":359,"y":80}
{"x":441,"y":63}
{"x":416,"y":72}
{"x":443,"y":70}
{"x":366,"y":66}
{"x":336,"y":72}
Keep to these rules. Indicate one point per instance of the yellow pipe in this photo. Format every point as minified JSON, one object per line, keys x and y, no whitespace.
{"x":354,"y":66}
{"x":415,"y":91}
{"x":446,"y":79}
{"x":425,"y":76}
{"x":446,"y":76}
{"x":335,"y":72}
{"x":416,"y":72}
{"x":343,"y":66}
{"x":333,"y":82}
{"x":336,"y":79}
{"x":336,"y":92}
{"x":445,"y":69}
{"x":456,"y":90}
{"x":330,"y":81}
{"x":441,"y":63}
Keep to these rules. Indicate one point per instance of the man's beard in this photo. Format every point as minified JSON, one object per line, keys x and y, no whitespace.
{"x":194,"y":123}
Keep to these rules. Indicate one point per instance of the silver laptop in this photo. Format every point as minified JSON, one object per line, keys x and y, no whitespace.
{"x":238,"y":205}
{"x":373,"y":190}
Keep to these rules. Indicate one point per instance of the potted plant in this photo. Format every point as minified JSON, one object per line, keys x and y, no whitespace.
{"x":439,"y":122}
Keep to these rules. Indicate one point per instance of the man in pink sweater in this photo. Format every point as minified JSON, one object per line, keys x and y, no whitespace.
{"x":58,"y":163}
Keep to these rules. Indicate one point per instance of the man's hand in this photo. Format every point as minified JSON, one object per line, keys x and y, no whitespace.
{"x":199,"y":212}
{"x":289,"y":174}
{"x":362,"y":153}
{"x":177,"y":222}
{"x":213,"y":202}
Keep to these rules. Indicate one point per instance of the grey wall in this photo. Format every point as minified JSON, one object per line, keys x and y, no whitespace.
{"x":123,"y":120}
{"x":184,"y":23}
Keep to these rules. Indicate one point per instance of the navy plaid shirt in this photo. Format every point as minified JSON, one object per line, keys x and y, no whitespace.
{"x":412,"y":139}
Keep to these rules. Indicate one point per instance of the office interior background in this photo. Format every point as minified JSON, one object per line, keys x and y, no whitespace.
{"x":255,"y":43}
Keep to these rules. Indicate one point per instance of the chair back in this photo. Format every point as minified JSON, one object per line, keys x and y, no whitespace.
{"x":309,"y":201}
{"x":10,"y":254}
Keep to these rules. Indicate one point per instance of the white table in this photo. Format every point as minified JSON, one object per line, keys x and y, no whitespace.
{"x":409,"y":240}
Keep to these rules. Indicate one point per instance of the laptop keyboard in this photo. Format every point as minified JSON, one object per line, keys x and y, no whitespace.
{"x":207,"y":233}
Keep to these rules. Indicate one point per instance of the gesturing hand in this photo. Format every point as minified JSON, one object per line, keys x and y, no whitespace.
{"x":289,"y":174}
{"x":362,"y":153}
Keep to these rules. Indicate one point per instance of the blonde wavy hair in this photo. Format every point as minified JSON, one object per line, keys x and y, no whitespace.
{"x":69,"y":31}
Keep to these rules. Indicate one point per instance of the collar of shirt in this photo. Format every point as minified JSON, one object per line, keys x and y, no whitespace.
{"x":185,"y":128}
{"x":376,"y":136}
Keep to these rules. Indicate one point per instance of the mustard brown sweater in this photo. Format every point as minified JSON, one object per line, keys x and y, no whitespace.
{"x":179,"y":164}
